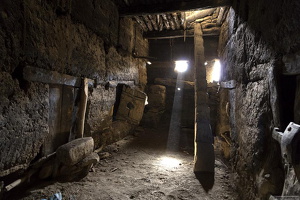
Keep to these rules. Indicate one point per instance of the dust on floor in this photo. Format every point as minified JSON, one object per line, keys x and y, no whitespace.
{"x":136,"y":168}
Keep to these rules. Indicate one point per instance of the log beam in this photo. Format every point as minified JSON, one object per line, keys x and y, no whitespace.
{"x":52,"y":77}
{"x":215,"y":31}
{"x":170,"y":7}
{"x":141,"y":22}
{"x":148,"y":22}
{"x":166,"y":21}
{"x":176,"y":20}
{"x":153,"y":21}
{"x":204,"y":157}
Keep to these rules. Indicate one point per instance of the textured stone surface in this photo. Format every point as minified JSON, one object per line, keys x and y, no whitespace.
{"x":100,"y":109}
{"x":120,"y":68}
{"x":101,"y":17}
{"x":118,"y":130}
{"x":70,"y":37}
{"x":157,"y":96}
{"x":23,"y":122}
{"x":74,"y":151}
{"x":291,"y":185}
{"x":156,"y":105}
{"x":252,"y":42}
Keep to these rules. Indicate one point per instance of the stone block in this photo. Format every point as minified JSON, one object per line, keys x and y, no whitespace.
{"x":157,"y":96}
{"x":152,"y":118}
{"x":132,"y":105}
{"x":74,"y":151}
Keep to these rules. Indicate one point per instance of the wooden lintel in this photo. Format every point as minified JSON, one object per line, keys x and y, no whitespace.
{"x":215,"y":31}
{"x":181,"y":6}
{"x":52,"y":77}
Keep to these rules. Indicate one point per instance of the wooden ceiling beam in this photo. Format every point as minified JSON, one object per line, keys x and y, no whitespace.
{"x":181,"y":6}
{"x":215,"y":31}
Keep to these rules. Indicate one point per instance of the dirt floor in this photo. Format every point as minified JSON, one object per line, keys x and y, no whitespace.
{"x":138,"y":167}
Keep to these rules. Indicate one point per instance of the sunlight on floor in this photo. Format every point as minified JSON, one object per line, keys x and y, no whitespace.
{"x":169,"y":162}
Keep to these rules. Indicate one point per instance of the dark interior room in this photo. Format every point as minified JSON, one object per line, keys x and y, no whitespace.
{"x":149,"y":99}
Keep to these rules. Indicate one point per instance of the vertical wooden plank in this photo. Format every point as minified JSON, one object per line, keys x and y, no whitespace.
{"x":66,"y":114}
{"x":82,"y":108}
{"x":75,"y":109}
{"x":54,"y":118}
{"x":204,"y":157}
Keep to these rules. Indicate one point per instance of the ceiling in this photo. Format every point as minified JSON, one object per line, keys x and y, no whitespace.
{"x":162,"y":19}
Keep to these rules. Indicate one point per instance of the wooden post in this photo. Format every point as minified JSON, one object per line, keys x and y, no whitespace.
{"x":79,"y":109}
{"x":82,"y":108}
{"x":204,"y":157}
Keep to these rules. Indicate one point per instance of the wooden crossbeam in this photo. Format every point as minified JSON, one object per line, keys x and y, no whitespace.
{"x":214,"y":31}
{"x":181,"y":6}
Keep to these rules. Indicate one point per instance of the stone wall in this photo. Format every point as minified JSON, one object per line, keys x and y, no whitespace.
{"x":73,"y":37}
{"x":253,"y":41}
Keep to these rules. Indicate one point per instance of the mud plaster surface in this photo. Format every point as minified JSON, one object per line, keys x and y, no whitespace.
{"x":134,"y":171}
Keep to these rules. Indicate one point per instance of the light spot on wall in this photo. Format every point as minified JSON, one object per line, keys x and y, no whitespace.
{"x":216,"y":73}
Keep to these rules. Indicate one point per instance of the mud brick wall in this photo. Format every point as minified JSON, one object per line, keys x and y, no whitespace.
{"x":78,"y":38}
{"x":254,"y":39}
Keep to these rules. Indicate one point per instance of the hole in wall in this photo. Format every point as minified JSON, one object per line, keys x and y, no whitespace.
{"x":287,"y":94}
{"x":119,"y":90}
{"x":130,"y":105}
{"x":18,"y":74}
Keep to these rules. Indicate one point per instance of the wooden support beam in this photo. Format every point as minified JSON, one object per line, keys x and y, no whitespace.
{"x":160,"y":22}
{"x":182,"y":18}
{"x":216,"y":13}
{"x":208,"y":19}
{"x":148,"y":22}
{"x":52,"y":77}
{"x":168,"y":34}
{"x":170,"y":7}
{"x":207,"y":25}
{"x":220,"y":16}
{"x":166,"y":22}
{"x":82,"y":108}
{"x":153,"y":21}
{"x":204,"y":158}
{"x":176,"y":20}
{"x":200,"y":14}
{"x":171,"y":20}
{"x":141,"y":23}
{"x":215,"y":31}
